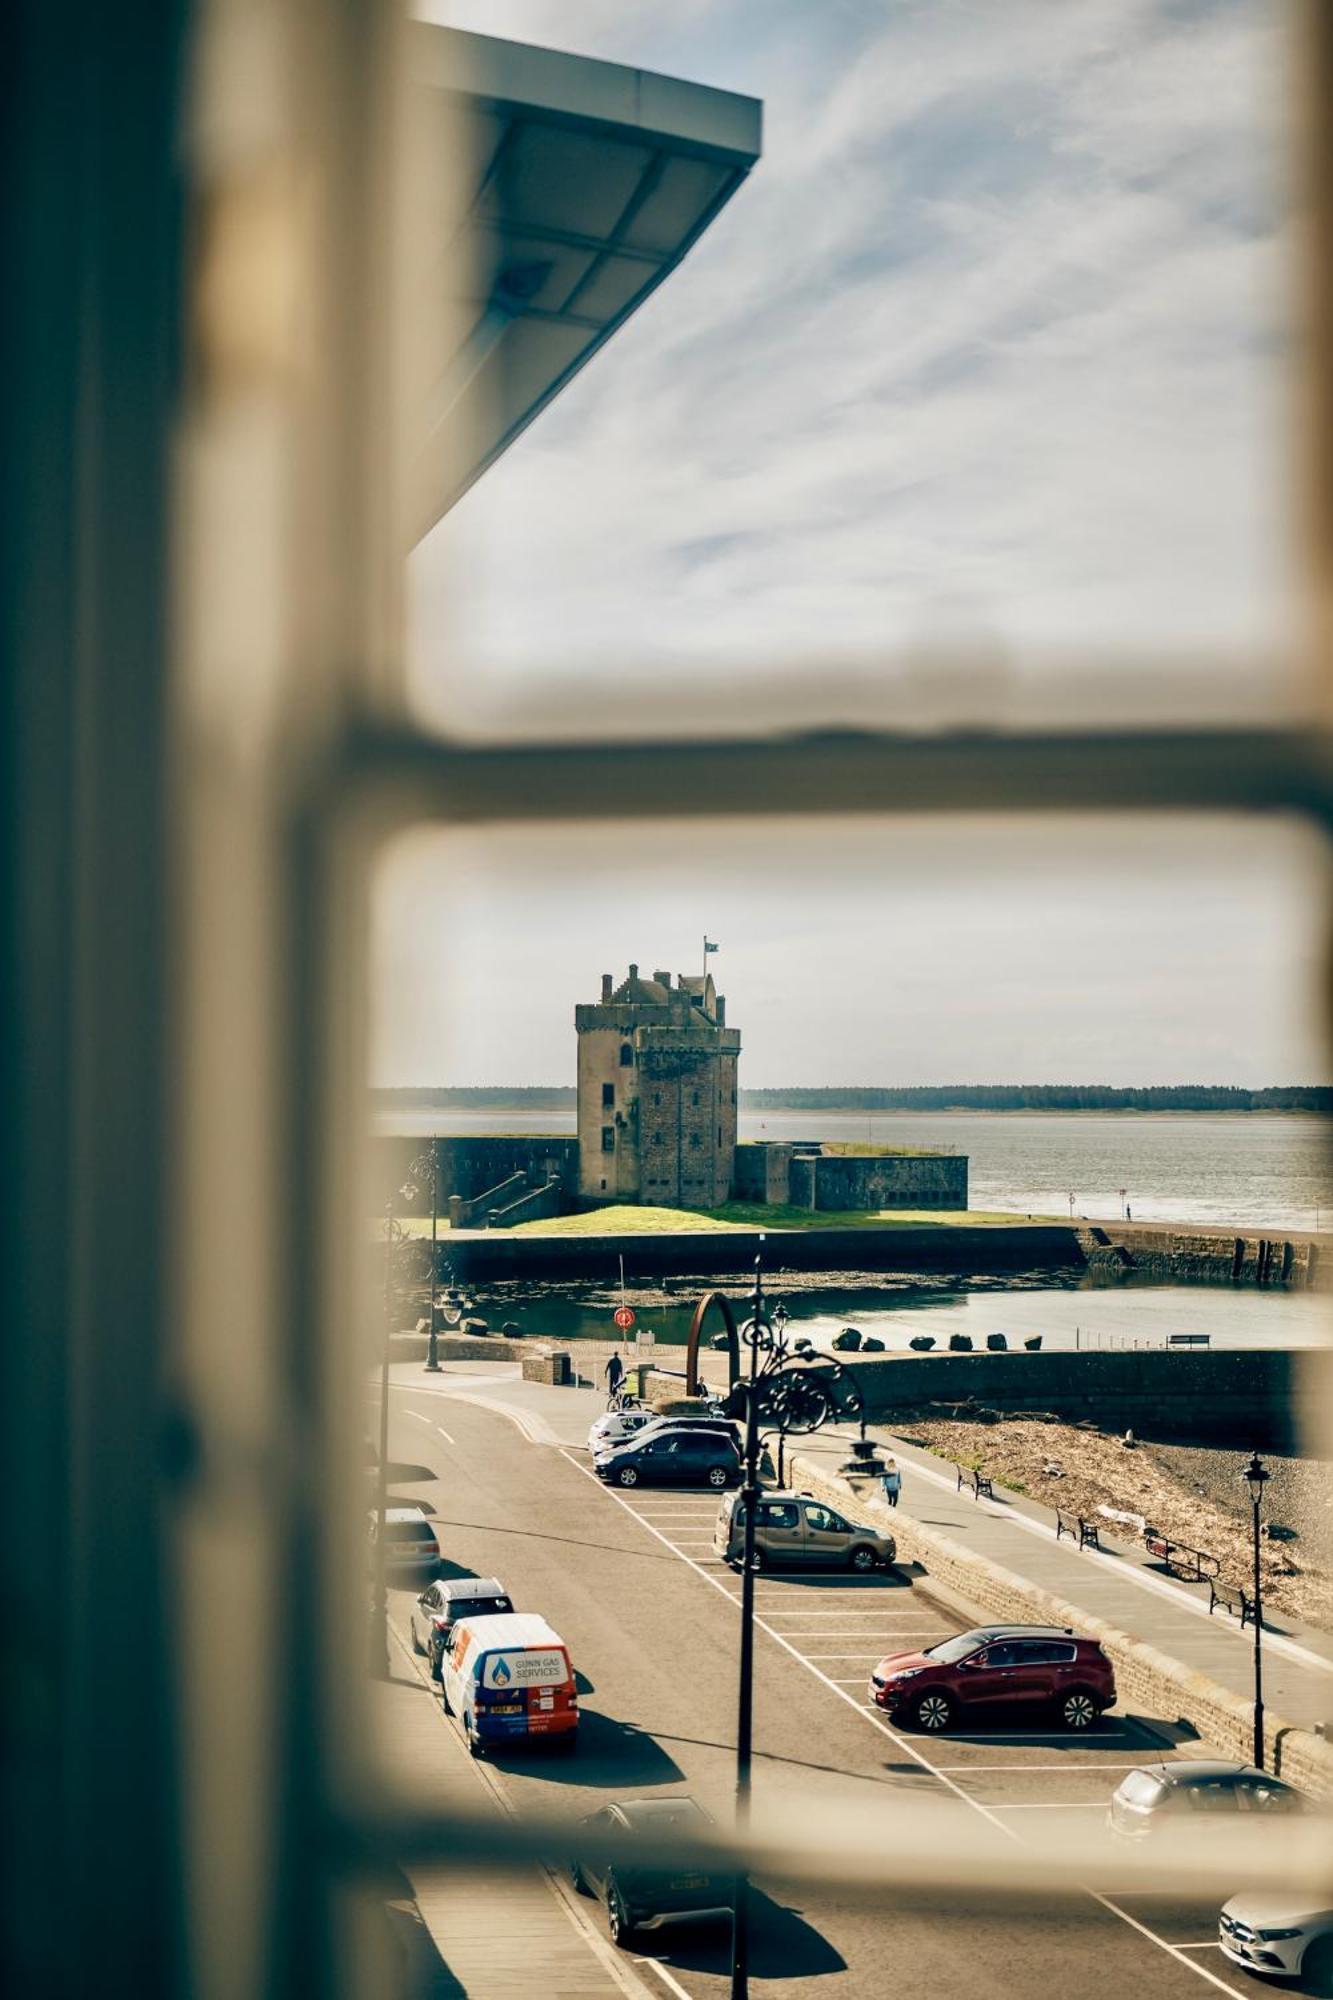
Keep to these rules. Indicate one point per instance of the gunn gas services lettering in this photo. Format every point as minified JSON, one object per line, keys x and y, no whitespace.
{"x":530,"y":1669}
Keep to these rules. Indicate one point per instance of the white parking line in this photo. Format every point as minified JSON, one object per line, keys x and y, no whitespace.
{"x":444,"y":1433}
{"x":1055,"y":1805}
{"x":1111,"y":1764}
{"x":873,"y":1717}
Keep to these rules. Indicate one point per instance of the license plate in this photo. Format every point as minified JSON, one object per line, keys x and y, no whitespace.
{"x":504,"y":1708}
{"x":689,"y":1882}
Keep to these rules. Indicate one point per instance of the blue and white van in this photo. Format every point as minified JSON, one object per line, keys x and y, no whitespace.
{"x":507,"y":1678}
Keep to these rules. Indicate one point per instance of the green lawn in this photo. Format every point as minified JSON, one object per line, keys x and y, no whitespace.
{"x":630,"y":1220}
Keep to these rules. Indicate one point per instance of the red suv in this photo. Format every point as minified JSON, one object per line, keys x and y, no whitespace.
{"x":997,"y":1667}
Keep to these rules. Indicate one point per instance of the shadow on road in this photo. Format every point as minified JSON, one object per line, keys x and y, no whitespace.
{"x":611,"y":1753}
{"x":841,"y":1580}
{"x":421,"y":1972}
{"x":782,"y":1945}
{"x":567,"y":1541}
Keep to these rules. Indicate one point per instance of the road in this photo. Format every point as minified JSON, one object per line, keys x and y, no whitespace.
{"x":651,"y":1621}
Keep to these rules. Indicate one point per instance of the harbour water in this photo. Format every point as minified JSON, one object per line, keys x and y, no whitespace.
{"x":1066,"y":1317}
{"x":1258,"y":1171}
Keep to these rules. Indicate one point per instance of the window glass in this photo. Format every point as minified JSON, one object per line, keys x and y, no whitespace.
{"x":778,"y":1516}
{"x":1141,"y":1788}
{"x":1211,"y":1795}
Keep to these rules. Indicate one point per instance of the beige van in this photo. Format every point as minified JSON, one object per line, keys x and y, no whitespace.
{"x":795,"y":1530}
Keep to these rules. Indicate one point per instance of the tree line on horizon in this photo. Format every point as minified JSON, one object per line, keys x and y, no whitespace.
{"x":911,"y":1097}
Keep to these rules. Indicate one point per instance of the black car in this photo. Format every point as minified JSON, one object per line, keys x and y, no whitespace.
{"x":672,"y":1457}
{"x":440,"y":1608}
{"x":642,"y":1899}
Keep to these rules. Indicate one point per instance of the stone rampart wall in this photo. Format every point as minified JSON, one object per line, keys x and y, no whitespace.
{"x":1248,"y":1398}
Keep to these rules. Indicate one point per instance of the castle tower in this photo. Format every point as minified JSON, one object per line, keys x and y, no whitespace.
{"x":657,"y":1092}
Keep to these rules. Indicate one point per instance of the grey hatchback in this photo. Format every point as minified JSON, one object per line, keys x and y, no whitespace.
{"x":1206,"y":1790}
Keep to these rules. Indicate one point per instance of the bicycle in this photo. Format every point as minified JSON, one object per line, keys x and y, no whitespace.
{"x":622,"y":1399}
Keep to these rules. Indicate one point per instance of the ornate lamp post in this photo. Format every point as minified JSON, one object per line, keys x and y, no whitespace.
{"x":1256,"y":1475}
{"x":426,"y":1167}
{"x":764,"y":1335}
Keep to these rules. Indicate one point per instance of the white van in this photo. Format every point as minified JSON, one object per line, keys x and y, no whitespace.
{"x":507,"y":1677}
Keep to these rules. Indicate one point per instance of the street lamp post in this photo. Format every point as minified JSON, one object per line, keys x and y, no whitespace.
{"x":762,"y":1332}
{"x":433,"y":1352}
{"x":1256,"y":1475}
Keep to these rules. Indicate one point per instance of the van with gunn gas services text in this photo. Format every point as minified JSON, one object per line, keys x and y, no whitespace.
{"x":507,"y":1679}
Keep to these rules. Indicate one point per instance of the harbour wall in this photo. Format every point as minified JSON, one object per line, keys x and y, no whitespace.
{"x":1246,"y":1399}
{"x":1148,"y":1253}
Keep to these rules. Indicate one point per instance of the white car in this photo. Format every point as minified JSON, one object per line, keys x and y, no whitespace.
{"x":1284,"y":1937}
{"x":616,"y":1427}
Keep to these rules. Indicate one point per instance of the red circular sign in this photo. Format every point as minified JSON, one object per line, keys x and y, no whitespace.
{"x":624,"y":1316}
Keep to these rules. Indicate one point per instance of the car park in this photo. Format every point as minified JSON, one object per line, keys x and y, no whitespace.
{"x":1004,"y":1670}
{"x":445,"y":1603}
{"x":796,"y":1530}
{"x":638,"y":1898}
{"x":672,"y":1457}
{"x":1280,"y":1936}
{"x":508,"y":1680}
{"x":410,"y":1541}
{"x":1198,"y":1792}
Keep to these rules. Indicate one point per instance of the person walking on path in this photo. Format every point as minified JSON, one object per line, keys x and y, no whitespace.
{"x":893,"y":1482}
{"x":615,"y":1377}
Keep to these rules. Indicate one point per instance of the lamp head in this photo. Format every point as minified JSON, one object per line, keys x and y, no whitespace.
{"x":1256,"y":1476}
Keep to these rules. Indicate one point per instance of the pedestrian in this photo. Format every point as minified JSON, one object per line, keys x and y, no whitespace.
{"x":615,"y":1377}
{"x":893,"y":1482}
{"x":1129,"y":1213}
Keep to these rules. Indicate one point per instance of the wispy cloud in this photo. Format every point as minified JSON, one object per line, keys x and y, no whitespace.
{"x":985,"y":349}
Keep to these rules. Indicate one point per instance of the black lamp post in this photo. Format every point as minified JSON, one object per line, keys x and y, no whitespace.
{"x":764,"y":1334}
{"x":1256,"y":1475}
{"x":433,"y":1349}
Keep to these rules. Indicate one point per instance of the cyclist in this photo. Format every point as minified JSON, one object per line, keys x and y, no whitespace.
{"x":615,"y":1379}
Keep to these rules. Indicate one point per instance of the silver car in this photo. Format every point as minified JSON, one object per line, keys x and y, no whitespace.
{"x":796,"y":1530}
{"x":1285,"y":1937}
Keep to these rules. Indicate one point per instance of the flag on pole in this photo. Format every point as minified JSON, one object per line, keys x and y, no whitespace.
{"x":708,"y":947}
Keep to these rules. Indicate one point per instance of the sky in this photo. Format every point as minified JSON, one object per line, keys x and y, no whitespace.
{"x":970,"y":406}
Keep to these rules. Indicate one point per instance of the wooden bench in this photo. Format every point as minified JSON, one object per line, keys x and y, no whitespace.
{"x":1086,"y":1533}
{"x":1231,"y":1598}
{"x":978,"y":1483}
{"x":1190,"y":1565}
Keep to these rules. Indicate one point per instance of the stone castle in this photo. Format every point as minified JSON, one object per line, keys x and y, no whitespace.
{"x":657,"y":1096}
{"x":657,"y":1092}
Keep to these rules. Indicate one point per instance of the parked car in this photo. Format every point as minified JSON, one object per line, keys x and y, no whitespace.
{"x":507,"y":1680}
{"x":1158,"y":1795}
{"x":443,"y":1604}
{"x":410,"y":1542}
{"x":796,"y":1529}
{"x":724,"y":1425}
{"x":1005,"y":1668}
{"x":616,"y":1427}
{"x":641,"y":1899}
{"x":1286,"y":1937}
{"x":674,"y":1456}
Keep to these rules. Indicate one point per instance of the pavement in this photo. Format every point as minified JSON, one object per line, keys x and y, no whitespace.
{"x":650,"y":1616}
{"x":1121,"y":1584}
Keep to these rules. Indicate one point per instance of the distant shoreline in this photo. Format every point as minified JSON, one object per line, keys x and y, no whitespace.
{"x":406,"y":1100}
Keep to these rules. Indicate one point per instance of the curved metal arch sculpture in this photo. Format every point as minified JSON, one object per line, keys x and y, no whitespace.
{"x":693,"y":1384}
